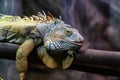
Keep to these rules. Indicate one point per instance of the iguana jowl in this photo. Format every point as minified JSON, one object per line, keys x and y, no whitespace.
{"x":54,"y":40}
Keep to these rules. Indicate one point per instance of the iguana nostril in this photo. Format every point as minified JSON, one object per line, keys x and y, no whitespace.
{"x":81,"y":39}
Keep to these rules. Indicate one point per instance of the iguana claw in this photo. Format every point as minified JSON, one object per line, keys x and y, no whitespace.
{"x":22,"y":76}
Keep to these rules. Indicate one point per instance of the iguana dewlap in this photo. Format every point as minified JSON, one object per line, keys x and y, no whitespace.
{"x":55,"y":40}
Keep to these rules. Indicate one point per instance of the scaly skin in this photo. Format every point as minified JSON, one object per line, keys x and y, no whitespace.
{"x":55,"y":40}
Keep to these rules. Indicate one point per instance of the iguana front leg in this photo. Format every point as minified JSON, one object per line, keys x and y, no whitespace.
{"x":21,"y":58}
{"x":46,"y":58}
{"x":58,"y":61}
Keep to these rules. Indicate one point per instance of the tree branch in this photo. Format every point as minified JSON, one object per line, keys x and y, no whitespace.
{"x":88,"y":60}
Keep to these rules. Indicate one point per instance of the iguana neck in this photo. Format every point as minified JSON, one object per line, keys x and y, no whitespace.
{"x":46,"y":29}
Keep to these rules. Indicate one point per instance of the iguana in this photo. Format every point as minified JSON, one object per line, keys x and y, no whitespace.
{"x":55,"y":41}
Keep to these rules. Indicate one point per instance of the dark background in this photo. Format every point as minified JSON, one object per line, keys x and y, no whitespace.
{"x":97,"y":20}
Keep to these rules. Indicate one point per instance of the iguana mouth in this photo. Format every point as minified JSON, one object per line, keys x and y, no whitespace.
{"x":78,"y":43}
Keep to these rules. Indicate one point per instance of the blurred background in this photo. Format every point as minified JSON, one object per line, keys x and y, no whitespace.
{"x":97,"y":20}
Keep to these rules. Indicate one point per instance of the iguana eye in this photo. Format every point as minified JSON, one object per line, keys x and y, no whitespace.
{"x":68,"y":32}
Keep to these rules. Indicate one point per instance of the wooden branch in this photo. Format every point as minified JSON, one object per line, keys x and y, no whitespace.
{"x":88,"y":60}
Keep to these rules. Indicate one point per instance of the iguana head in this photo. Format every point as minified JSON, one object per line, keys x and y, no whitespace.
{"x":62,"y":37}
{"x":59,"y":38}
